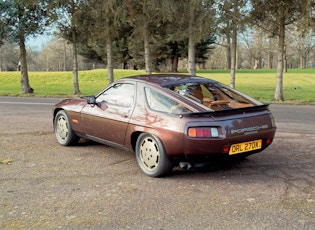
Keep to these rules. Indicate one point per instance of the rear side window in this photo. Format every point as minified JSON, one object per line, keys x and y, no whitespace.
{"x":121,"y":94}
{"x":163,"y":103}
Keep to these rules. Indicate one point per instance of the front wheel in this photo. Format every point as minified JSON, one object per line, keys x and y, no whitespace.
{"x":151,"y":156}
{"x":63,"y":130}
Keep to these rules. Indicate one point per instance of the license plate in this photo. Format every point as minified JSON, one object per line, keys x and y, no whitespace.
{"x":245,"y":147}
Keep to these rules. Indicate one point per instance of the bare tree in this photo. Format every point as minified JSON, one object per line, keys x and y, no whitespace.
{"x":21,"y":19}
{"x":9,"y":56}
{"x":303,"y":44}
{"x":225,"y":24}
{"x":231,"y":22}
{"x":56,"y":56}
{"x":277,"y":15}
{"x":68,"y":29}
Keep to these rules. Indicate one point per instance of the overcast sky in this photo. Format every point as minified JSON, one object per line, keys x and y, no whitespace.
{"x":38,"y":43}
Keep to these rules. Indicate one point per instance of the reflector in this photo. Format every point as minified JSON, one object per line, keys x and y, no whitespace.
{"x":226,"y":149}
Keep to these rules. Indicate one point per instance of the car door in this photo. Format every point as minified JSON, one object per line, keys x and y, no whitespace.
{"x":108,"y":118}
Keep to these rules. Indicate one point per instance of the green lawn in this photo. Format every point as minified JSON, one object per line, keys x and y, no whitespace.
{"x":298,"y":84}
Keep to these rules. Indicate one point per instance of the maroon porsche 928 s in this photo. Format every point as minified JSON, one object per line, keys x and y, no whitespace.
{"x":168,"y":120}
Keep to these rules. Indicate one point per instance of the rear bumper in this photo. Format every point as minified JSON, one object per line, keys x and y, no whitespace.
{"x":205,"y":148}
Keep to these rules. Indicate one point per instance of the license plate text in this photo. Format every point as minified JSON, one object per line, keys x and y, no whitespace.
{"x":245,"y":147}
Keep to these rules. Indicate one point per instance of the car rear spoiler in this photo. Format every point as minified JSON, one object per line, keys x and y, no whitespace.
{"x":230,"y":111}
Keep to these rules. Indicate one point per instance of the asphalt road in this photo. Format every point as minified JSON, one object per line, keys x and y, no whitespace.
{"x":91,"y":186}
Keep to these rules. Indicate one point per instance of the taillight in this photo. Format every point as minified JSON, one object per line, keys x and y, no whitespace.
{"x":203,"y":132}
{"x":273,"y":123}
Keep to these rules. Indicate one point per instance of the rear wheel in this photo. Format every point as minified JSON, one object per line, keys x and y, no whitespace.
{"x":63,"y":130}
{"x":151,"y":156}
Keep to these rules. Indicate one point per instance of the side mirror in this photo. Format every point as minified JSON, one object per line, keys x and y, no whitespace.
{"x":91,"y":100}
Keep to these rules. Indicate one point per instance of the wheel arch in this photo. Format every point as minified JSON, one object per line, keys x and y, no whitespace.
{"x":134,"y":137}
{"x":55,"y":113}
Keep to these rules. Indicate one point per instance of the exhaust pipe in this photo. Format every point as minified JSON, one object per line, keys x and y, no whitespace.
{"x":186,"y":165}
{"x":191,"y":166}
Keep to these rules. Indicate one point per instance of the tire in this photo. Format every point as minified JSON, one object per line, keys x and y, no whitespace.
{"x":151,"y":156}
{"x":63,"y":131}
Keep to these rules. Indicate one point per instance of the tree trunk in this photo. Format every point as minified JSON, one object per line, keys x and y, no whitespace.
{"x":260,"y":62}
{"x":260,"y":49}
{"x":75,"y":66}
{"x":234,"y":45}
{"x":303,"y":59}
{"x":174,"y":58}
{"x":191,"y":56}
{"x":146,"y":40}
{"x":256,"y":64}
{"x":147,"y":53}
{"x":191,"y":43}
{"x":173,"y":64}
{"x":24,"y":71}
{"x":280,"y":63}
{"x":228,"y":48}
{"x":285,"y":61}
{"x":203,"y":65}
{"x":124,"y":65}
{"x":64,"y":56}
{"x":233,"y":60}
{"x":110,"y":68}
{"x":301,"y":62}
{"x":74,"y":53}
{"x":270,"y":60}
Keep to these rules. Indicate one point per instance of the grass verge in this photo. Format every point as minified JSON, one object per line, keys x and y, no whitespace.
{"x":298,"y":84}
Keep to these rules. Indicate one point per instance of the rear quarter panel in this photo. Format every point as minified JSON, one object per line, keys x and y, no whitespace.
{"x":169,"y":128}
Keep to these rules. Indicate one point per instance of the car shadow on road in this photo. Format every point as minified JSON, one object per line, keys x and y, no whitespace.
{"x":220,"y":164}
{"x":215,"y":165}
{"x":86,"y":142}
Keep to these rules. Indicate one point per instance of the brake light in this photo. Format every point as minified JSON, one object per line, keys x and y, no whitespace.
{"x":203,"y":132}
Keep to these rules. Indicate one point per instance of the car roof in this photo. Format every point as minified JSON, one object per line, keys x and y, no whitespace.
{"x":169,"y":80}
